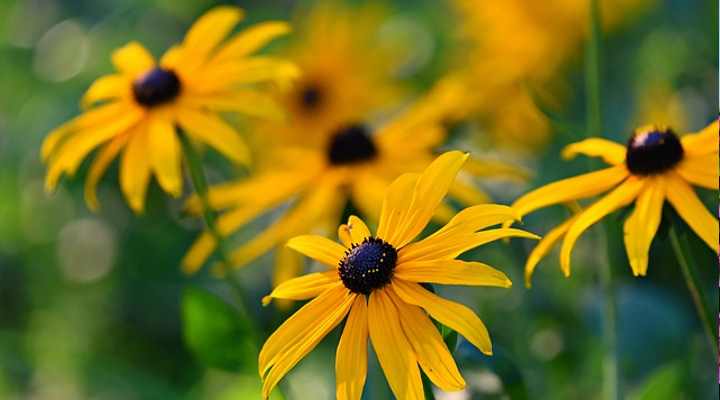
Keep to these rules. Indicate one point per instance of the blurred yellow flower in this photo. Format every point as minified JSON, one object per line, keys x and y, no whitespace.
{"x":376,"y":281}
{"x":654,"y":166}
{"x":139,"y":108}
{"x":354,"y":162}
{"x":516,"y":51}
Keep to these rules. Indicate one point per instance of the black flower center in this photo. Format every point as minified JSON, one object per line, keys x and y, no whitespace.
{"x":653,"y":151}
{"x":351,"y":144}
{"x":156,"y":87}
{"x":368,"y":266}
{"x":310,"y":97}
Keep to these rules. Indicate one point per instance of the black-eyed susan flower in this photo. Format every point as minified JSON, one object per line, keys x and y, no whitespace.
{"x":376,"y":282}
{"x":656,"y":165}
{"x":137,"y":110}
{"x":354,"y":162}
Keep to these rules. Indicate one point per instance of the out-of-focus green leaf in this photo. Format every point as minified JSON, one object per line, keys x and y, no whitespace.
{"x":665,"y":383}
{"x":216,"y":333}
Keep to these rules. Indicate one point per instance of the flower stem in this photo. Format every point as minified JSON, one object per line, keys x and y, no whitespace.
{"x":684,"y":258}
{"x":610,"y":387}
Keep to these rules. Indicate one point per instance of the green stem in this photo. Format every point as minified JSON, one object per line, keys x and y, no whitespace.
{"x":706,"y":315}
{"x":593,"y":62}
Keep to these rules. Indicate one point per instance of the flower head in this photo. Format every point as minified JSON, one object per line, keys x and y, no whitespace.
{"x":138,"y":109}
{"x":655,"y":165}
{"x":375,"y":281}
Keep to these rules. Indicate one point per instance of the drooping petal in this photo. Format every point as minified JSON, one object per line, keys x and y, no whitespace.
{"x":209,"y":128}
{"x":544,"y":246}
{"x":700,"y":170}
{"x":611,"y":152}
{"x":318,"y":248}
{"x":250,"y":40}
{"x":455,"y":316}
{"x":393,"y":350}
{"x":165,"y":155}
{"x":208,"y":31}
{"x":620,"y":197}
{"x":135,"y":169}
{"x":703,"y":142}
{"x":430,"y":349}
{"x":691,"y":209}
{"x":107,"y":87}
{"x":133,"y":60}
{"x":570,"y":189}
{"x":351,"y":355}
{"x":300,"y":333}
{"x":98,"y":167}
{"x":640,"y":227}
{"x":304,"y":287}
{"x":451,"y":272}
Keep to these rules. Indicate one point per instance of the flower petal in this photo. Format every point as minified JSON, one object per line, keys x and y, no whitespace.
{"x":250,"y":40}
{"x":208,"y":31}
{"x":544,"y":246}
{"x":165,"y":155}
{"x":133,"y":60}
{"x":98,"y":167}
{"x":393,"y":350}
{"x":451,"y":272}
{"x":430,"y":349}
{"x":300,"y":333}
{"x":247,"y":102}
{"x":395,"y":205}
{"x":640,"y":227}
{"x":700,"y":170}
{"x":106,"y":87}
{"x":209,"y":128}
{"x":135,"y":169}
{"x":611,"y":152}
{"x":357,"y":229}
{"x":703,"y":142}
{"x":304,"y":287}
{"x":692,"y":210}
{"x":318,"y":248}
{"x":578,"y":187}
{"x":620,"y":197}
{"x":455,"y":316}
{"x":351,"y":355}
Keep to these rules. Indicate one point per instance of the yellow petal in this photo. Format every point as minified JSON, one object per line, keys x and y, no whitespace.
{"x":208,"y":31}
{"x":98,"y":167}
{"x":165,"y":155}
{"x":611,"y":152}
{"x":691,"y":209}
{"x":133,"y":60}
{"x":304,"y":287}
{"x":289,"y":264}
{"x":250,"y":40}
{"x":395,"y":205}
{"x":640,"y":227}
{"x":135,"y":169}
{"x":703,"y":142}
{"x":620,"y":197}
{"x":351,"y":355}
{"x":198,"y":253}
{"x":467,"y":194}
{"x":211,"y":129}
{"x":451,"y":272}
{"x":344,"y":235}
{"x":486,"y":168}
{"x":431,"y":188}
{"x":700,"y":170}
{"x":357,"y":229}
{"x":300,"y":333}
{"x":430,"y":349}
{"x":393,"y":350}
{"x":574,"y":188}
{"x":107,"y":87}
{"x":318,"y":248}
{"x":220,"y":77}
{"x":544,"y":246}
{"x":456,"y":316}
{"x":248,"y":102}
{"x":450,"y":249}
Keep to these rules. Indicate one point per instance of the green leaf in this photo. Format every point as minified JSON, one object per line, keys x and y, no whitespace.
{"x":216,"y":333}
{"x":665,"y":383}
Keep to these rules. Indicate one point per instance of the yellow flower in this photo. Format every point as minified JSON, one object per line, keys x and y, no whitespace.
{"x":139,"y":108}
{"x":654,"y":166}
{"x":505,"y":76}
{"x":355,"y":162}
{"x":375,"y":280}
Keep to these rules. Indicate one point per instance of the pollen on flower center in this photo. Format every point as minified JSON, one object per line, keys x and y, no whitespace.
{"x":156,"y":87}
{"x":368,"y":266}
{"x":653,"y":151}
{"x":351,"y":144}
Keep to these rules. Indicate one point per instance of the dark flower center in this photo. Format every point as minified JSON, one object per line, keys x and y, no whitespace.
{"x":368,"y":266}
{"x":652,"y":152}
{"x":351,"y":144}
{"x":310,"y":97}
{"x":156,"y":87}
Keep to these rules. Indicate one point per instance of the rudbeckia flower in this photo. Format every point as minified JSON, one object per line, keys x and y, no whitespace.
{"x":355,"y":162}
{"x":655,"y":165}
{"x":138,"y":109}
{"x":376,"y":282}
